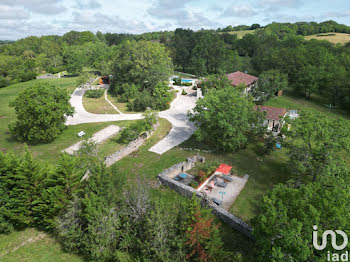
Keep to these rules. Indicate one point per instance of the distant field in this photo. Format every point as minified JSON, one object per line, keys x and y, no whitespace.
{"x":240,"y":34}
{"x":32,"y":246}
{"x":335,"y":38}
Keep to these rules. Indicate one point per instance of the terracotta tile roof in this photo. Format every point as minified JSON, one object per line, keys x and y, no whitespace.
{"x":239,"y":78}
{"x":273,"y":113}
{"x":225,"y":169}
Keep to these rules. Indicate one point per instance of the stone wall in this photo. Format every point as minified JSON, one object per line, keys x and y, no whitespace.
{"x":132,"y":147}
{"x":166,"y":178}
{"x":182,"y":167}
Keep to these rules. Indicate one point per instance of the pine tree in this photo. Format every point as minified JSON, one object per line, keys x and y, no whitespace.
{"x":22,"y":187}
{"x":57,"y":191}
{"x":203,"y":235}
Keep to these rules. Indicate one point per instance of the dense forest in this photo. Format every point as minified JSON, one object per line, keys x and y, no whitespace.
{"x":312,"y":67}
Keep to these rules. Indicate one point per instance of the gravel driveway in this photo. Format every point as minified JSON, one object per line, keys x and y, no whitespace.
{"x":81,"y":116}
{"x":177,"y":115}
{"x":181,"y":129}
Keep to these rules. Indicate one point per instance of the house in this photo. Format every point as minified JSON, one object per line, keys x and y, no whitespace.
{"x":238,"y":78}
{"x":274,"y":117}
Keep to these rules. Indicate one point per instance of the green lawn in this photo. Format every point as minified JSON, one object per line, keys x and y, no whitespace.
{"x":32,"y":246}
{"x":98,"y":105}
{"x":291,"y":100}
{"x":43,"y":151}
{"x":121,"y":106}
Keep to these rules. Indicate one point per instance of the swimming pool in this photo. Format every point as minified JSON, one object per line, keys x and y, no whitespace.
{"x":186,"y":80}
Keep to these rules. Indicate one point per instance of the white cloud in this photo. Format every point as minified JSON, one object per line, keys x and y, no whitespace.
{"x":96,"y":21}
{"x":179,"y":14}
{"x":88,"y":4}
{"x":273,"y":5}
{"x":345,"y":13}
{"x":12,"y":13}
{"x":239,"y":11}
{"x":51,"y":7}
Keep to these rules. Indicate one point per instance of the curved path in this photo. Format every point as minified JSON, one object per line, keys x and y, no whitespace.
{"x":81,"y":116}
{"x":181,"y":129}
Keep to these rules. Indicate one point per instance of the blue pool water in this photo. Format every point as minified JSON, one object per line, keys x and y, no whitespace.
{"x":186,"y":80}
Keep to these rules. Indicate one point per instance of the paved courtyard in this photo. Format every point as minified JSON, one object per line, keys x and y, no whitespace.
{"x":228,"y":194}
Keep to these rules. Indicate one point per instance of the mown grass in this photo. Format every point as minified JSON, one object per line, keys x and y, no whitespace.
{"x":240,"y":34}
{"x":121,"y":106}
{"x":98,"y":105}
{"x":335,"y":38}
{"x":23,"y":246}
{"x":293,"y":100}
{"x":42,"y":151}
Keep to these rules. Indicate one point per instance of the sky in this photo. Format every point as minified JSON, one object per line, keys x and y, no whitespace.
{"x":21,"y":18}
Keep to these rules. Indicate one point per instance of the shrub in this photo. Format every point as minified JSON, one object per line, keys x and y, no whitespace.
{"x":132,"y":132}
{"x":177,"y":81}
{"x":3,"y":81}
{"x":84,"y":77}
{"x":94,"y":93}
{"x":210,"y":166}
{"x":126,"y":91}
{"x":194,"y":184}
{"x":150,"y":119}
{"x":202,"y":176}
{"x":183,"y":92}
{"x":27,"y":75}
{"x":142,"y":101}
{"x":162,"y":96}
{"x":41,"y":111}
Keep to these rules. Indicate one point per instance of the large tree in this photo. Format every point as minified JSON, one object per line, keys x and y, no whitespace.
{"x":313,"y":142}
{"x":226,"y":118}
{"x":183,"y":42}
{"x":210,"y":55}
{"x":284,"y":228}
{"x":41,"y":111}
{"x":142,"y":63}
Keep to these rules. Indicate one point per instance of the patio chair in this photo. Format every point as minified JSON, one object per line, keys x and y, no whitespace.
{"x":221,"y":184}
{"x":227,"y":178}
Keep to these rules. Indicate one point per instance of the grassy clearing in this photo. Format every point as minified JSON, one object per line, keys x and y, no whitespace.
{"x":337,"y":38}
{"x":31,"y":245}
{"x":240,"y":34}
{"x":98,"y":105}
{"x":291,"y":100}
{"x":121,"y":106}
{"x":43,"y":151}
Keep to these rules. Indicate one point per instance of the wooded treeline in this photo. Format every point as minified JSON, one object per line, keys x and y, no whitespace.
{"x":312,"y":67}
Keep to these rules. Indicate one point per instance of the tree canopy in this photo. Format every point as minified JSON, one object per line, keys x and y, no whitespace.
{"x":41,"y":111}
{"x":226,"y":118}
{"x":141,"y":63}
